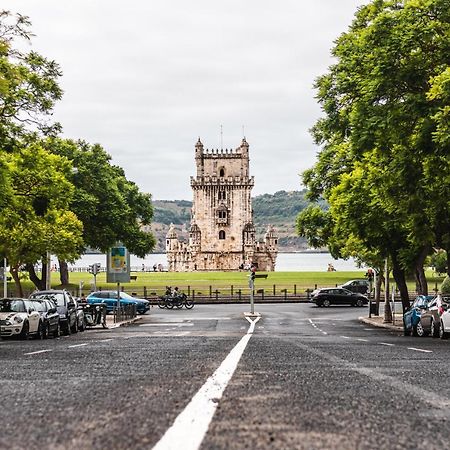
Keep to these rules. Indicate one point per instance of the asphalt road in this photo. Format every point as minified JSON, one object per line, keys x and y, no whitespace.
{"x":303,"y":378}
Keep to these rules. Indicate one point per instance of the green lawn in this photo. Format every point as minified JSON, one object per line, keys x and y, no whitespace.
{"x":222,"y":281}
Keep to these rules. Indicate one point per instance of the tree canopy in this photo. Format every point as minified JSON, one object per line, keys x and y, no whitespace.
{"x":383,"y":164}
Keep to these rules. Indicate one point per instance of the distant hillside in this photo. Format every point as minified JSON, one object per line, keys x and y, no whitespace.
{"x":279,"y":210}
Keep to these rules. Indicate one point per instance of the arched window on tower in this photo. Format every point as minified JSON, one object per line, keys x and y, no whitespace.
{"x":222,"y":195}
{"x":222,"y":172}
{"x":221,"y":234}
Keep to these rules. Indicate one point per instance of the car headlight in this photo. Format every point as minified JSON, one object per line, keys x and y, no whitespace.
{"x":18,"y":319}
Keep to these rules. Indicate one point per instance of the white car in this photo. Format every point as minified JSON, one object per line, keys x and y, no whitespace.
{"x":443,"y":303}
{"x":18,"y":317}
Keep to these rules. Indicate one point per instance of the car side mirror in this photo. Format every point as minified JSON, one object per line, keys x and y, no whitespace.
{"x":52,"y":310}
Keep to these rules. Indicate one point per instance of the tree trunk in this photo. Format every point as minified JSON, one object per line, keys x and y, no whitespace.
{"x":15,"y":274}
{"x":448,"y":261}
{"x":419,"y":272}
{"x":400,"y":279}
{"x":63,"y":272}
{"x":39,"y":283}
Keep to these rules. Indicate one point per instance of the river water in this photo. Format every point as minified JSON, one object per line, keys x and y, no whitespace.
{"x":286,"y":262}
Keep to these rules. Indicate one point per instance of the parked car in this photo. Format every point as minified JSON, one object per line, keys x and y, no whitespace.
{"x":444,"y":309}
{"x":338,"y":296}
{"x":49,"y":316}
{"x":361,"y":286}
{"x":81,"y":322}
{"x":18,"y":317}
{"x":411,"y":318}
{"x":65,"y":305}
{"x":110,"y":299}
{"x":430,"y":319}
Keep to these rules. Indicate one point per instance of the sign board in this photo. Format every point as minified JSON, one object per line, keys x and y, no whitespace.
{"x":118,"y":265}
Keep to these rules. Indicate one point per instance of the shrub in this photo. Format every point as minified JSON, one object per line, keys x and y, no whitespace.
{"x":445,"y":287}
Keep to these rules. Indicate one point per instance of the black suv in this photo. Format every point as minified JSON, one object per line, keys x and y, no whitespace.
{"x":361,"y":286}
{"x":65,"y":305}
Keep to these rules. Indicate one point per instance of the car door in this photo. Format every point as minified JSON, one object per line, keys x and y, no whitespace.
{"x":33,"y":316}
{"x":52,"y":316}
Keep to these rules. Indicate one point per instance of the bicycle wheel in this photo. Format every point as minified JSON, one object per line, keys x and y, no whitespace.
{"x":161,"y":302}
{"x":189,"y":304}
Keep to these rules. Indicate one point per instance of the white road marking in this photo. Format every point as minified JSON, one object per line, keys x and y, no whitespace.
{"x":386,"y":343}
{"x":362,"y":340}
{"x":324,"y":332}
{"x":345,"y":337}
{"x":191,"y":425}
{"x":105,"y":340}
{"x":420,"y":350}
{"x":173,"y":325}
{"x":77,"y":345}
{"x":39,"y":351}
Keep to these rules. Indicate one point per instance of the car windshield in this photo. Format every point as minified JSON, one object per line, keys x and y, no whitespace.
{"x":7,"y":306}
{"x":125,"y":295}
{"x":57,"y":298}
{"x":40,"y":306}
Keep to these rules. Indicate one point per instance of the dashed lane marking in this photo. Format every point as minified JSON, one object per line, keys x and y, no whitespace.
{"x":387,"y":344}
{"x":105,"y":340}
{"x":173,"y":325}
{"x":77,"y":345}
{"x":38,"y":351}
{"x":345,"y":337}
{"x":420,"y":350}
{"x":362,"y":340}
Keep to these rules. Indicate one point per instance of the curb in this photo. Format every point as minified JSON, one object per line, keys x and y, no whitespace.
{"x":124,"y":323}
{"x":378,"y":324}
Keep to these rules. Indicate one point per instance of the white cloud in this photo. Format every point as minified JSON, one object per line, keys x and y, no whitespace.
{"x":146,"y":78}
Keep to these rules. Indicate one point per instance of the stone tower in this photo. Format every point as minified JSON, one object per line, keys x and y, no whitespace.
{"x":222,"y":234}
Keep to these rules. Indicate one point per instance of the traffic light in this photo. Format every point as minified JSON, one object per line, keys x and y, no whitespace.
{"x":94,"y":268}
{"x":253,"y":273}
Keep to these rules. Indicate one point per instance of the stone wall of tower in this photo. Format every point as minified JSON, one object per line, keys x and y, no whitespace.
{"x":222,"y":231}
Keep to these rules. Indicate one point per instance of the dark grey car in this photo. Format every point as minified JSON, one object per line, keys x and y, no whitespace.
{"x":361,"y":286}
{"x":338,"y":296}
{"x":430,"y":320}
{"x":65,"y":305}
{"x":50,"y":317}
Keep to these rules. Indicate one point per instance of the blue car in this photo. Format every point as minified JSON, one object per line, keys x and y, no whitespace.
{"x":110,"y":299}
{"x":411,"y":318}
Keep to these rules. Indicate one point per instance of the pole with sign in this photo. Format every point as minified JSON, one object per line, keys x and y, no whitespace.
{"x":118,"y":267}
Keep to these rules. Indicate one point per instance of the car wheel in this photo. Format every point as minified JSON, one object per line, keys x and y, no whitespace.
{"x":25,"y":330}
{"x":359,"y":302}
{"x":67,"y":330}
{"x":40,"y":332}
{"x":57,"y":332}
{"x":406,"y":331}
{"x":419,"y":330}
{"x":434,"y":330}
{"x":326,"y":303}
{"x":442,"y":332}
{"x":46,"y":331}
{"x":414,"y":330}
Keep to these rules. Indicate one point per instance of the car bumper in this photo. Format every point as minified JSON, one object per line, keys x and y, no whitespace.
{"x":10,"y":330}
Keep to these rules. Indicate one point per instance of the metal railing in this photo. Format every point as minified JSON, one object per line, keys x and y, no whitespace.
{"x":125,"y":312}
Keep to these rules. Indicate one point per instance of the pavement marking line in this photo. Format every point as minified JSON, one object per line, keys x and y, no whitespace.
{"x":419,"y":350}
{"x":77,"y":345}
{"x":324,"y":332}
{"x":167,"y":324}
{"x":38,"y":351}
{"x":386,"y":343}
{"x":105,"y":340}
{"x":362,"y":340}
{"x":344,"y":337}
{"x":191,"y":425}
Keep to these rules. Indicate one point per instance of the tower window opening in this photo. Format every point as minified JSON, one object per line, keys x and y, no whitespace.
{"x":221,"y":234}
{"x":222,"y":173}
{"x":222,"y":214}
{"x":222,"y":195}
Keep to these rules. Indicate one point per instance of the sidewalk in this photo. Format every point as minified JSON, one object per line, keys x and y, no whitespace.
{"x":110,"y":321}
{"x":378,"y":321}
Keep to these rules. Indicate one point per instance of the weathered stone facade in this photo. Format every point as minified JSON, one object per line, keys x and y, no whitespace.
{"x":222,"y":234}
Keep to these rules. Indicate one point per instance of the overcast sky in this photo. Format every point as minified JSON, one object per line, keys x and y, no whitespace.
{"x":146,"y":78}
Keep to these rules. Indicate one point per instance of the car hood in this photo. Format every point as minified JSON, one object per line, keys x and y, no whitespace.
{"x":10,"y":315}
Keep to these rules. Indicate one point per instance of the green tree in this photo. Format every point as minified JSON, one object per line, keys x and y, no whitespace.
{"x":28,"y":84}
{"x":380,"y":132}
{"x":111,"y":207}
{"x":38,"y":220}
